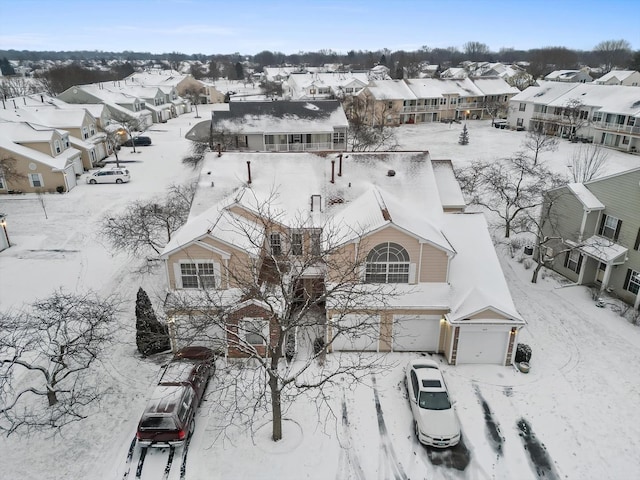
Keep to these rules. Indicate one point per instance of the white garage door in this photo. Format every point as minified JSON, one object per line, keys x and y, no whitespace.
{"x":483,"y":345}
{"x":416,"y":333}
{"x":70,"y":177}
{"x":356,"y":332}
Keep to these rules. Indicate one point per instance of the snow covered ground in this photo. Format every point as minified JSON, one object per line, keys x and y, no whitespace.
{"x":575,"y":415}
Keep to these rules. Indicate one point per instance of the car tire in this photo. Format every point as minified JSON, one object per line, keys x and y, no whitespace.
{"x":416,"y":430}
{"x":93,"y":181}
{"x":118,"y":180}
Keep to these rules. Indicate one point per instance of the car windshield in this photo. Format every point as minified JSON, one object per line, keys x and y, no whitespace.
{"x":158,"y":423}
{"x":434,"y":401}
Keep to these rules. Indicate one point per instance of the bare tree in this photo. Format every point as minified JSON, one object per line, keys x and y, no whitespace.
{"x":538,"y":141}
{"x":130,"y":123}
{"x":271,"y":89}
{"x":8,"y":170}
{"x":507,"y":188}
{"x":613,"y":53}
{"x":587,"y":162}
{"x":576,"y":116}
{"x":147,"y":226}
{"x":197,"y":151}
{"x":476,"y":50}
{"x":193,"y":92}
{"x":47,"y":354}
{"x":294,"y":305}
{"x":495,"y":106}
{"x":367,"y":129}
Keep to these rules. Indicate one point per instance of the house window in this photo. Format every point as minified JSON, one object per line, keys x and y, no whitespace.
{"x":315,"y":243}
{"x":65,"y":142}
{"x":632,"y":281}
{"x":573,"y":261}
{"x":389,"y":105}
{"x":3,"y":183}
{"x":254,"y":331}
{"x":35,"y":180}
{"x":338,"y":137}
{"x":610,"y":227}
{"x":520,"y":122}
{"x":636,"y":246}
{"x":56,"y":146}
{"x":523,"y":107}
{"x":85,"y":132}
{"x":197,"y":275}
{"x":387,"y":263}
{"x":275,"y":244}
{"x":92,"y":129}
{"x":296,"y":243}
{"x":597,"y":116}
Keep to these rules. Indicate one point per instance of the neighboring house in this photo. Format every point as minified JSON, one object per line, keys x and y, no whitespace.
{"x":78,"y":122}
{"x":629,"y":78}
{"x":569,"y":76}
{"x":598,"y":223}
{"x":42,"y":158}
{"x":281,"y":126}
{"x":119,"y":104}
{"x":179,"y":83}
{"x":439,"y":282}
{"x":317,"y":86}
{"x":607,"y":115}
{"x":395,"y":102}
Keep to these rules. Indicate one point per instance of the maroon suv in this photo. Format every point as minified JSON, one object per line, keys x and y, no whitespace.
{"x":168,"y":418}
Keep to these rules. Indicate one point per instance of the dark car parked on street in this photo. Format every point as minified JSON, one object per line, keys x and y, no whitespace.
{"x":168,"y":418}
{"x":139,"y":142}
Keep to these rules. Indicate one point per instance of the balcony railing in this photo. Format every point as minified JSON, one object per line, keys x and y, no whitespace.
{"x":303,"y":147}
{"x":617,"y":128}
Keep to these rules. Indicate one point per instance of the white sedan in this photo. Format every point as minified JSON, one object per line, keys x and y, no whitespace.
{"x":434,"y":416}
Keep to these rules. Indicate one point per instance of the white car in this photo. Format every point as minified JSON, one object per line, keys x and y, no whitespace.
{"x":109,"y":175}
{"x":434,"y":416}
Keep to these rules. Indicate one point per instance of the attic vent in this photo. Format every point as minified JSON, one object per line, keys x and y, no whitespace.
{"x":391,"y":173}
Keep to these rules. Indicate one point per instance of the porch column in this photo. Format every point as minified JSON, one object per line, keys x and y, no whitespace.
{"x":606,"y":277}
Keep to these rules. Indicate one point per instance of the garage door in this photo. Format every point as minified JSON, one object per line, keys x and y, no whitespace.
{"x":483,"y":345}
{"x":416,"y":333}
{"x":356,"y":332}
{"x":70,"y":177}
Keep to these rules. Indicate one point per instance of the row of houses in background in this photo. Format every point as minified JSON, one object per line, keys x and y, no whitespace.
{"x":607,"y":115}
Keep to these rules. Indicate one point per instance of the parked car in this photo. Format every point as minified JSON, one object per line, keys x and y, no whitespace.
{"x":109,"y":175}
{"x":168,"y":418}
{"x":139,"y":142}
{"x":435,"y":420}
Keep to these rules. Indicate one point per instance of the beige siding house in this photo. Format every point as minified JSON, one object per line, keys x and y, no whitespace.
{"x":390,"y":261}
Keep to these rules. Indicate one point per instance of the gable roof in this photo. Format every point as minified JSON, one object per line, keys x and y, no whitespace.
{"x":589,"y":200}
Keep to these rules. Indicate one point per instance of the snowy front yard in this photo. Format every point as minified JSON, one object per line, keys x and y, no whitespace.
{"x":574,"y":415}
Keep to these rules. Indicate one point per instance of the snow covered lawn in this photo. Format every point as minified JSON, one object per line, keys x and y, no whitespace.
{"x":575,"y":415}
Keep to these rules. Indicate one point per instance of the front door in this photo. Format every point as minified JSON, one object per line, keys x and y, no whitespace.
{"x":600,"y":273}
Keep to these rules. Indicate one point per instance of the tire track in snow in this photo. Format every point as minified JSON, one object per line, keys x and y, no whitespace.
{"x":348,"y":463}
{"x":388,"y":460}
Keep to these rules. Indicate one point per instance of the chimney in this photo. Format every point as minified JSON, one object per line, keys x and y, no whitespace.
{"x":333,"y":169}
{"x":248,"y":171}
{"x":340,"y":165}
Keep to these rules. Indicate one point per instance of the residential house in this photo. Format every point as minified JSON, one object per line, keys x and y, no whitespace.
{"x":179,"y":84}
{"x":78,"y":122}
{"x":318,"y":86}
{"x":607,"y":115}
{"x":597,"y":224}
{"x":394,"y":102}
{"x":569,"y":76}
{"x":629,"y":78}
{"x":121,"y":106}
{"x":42,"y":158}
{"x":391,"y":225}
{"x":281,"y":126}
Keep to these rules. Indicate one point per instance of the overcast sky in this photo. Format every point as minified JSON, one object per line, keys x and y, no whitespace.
{"x":251,"y":26}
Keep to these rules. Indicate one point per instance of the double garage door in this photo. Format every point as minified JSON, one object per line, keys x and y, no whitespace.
{"x":411,"y":333}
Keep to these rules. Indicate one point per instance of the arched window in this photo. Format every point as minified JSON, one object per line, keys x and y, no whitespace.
{"x":387,"y":263}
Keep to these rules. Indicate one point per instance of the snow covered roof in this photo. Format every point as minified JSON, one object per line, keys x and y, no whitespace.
{"x":601,"y":248}
{"x":588,"y":199}
{"x":619,"y":75}
{"x":448,"y":187}
{"x":313,"y":116}
{"x":391,"y":90}
{"x":12,"y":134}
{"x":545,"y":92}
{"x":477,"y":280}
{"x":494,"y":86}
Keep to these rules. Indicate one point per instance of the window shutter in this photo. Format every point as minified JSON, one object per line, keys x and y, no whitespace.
{"x":216,"y":274}
{"x":412,"y":273}
{"x":566,"y":259}
{"x":579,"y":263}
{"x":637,"y":244}
{"x":602,"y":220}
{"x":177,"y":273}
{"x":617,"y":234}
{"x":627,"y":279}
